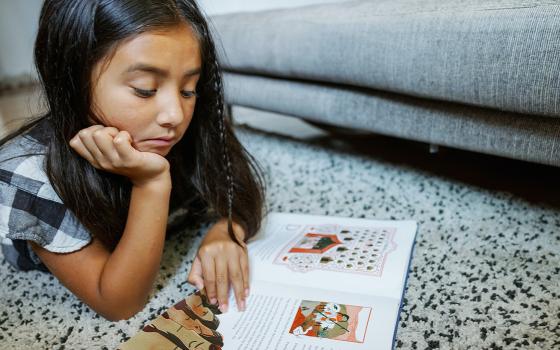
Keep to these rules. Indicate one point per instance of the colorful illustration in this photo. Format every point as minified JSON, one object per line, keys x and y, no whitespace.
{"x":331,"y":320}
{"x":336,"y":248}
{"x":189,"y":324}
{"x":315,"y":243}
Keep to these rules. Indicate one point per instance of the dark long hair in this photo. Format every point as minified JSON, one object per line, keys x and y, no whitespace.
{"x":212,"y":173}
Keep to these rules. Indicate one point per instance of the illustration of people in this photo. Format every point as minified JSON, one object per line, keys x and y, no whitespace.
{"x":326,"y":320}
{"x":198,"y":307}
{"x":165,"y":334}
{"x":187,"y":325}
{"x":331,"y":317}
{"x":309,"y":242}
{"x":187,"y":320}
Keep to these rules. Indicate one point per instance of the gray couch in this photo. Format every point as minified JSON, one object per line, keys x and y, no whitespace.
{"x":476,"y":75}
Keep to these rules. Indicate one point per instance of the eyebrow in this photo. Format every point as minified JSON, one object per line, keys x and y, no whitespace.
{"x":142,"y":67}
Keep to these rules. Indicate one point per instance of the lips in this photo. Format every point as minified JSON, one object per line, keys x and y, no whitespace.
{"x":164,"y":138}
{"x":161,"y":141}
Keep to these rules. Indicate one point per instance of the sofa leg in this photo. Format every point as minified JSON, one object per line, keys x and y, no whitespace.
{"x":228,"y":111}
{"x":434,"y":148}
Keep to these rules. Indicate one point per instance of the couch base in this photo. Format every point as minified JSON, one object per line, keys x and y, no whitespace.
{"x":507,"y":134}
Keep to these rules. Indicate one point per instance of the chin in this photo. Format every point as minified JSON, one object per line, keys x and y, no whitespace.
{"x":163,"y":153}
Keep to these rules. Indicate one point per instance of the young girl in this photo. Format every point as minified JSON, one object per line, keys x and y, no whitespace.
{"x":135,"y":129}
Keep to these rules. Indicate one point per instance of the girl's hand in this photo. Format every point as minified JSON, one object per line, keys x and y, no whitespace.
{"x":109,"y":149}
{"x":219,"y":262}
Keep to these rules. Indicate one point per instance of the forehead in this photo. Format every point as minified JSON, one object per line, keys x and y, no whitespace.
{"x":174,"y":49}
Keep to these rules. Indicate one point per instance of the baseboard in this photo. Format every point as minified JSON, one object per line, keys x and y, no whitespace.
{"x":13,"y":83}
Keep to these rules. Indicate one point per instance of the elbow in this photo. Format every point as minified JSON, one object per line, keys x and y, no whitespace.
{"x":117,"y":305}
{"x":121,"y":312}
{"x":112,"y":317}
{"x":120,"y":315}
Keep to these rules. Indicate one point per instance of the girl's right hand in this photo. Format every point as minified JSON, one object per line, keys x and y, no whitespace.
{"x":109,"y":149}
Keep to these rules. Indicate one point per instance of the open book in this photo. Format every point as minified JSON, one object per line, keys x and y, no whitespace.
{"x":317,"y":282}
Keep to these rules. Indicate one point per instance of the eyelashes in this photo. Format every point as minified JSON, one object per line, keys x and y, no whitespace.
{"x":188,"y":94}
{"x":144,"y":93}
{"x":149,"y":93}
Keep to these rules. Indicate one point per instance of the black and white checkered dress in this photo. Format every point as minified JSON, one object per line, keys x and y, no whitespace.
{"x":30,"y":209}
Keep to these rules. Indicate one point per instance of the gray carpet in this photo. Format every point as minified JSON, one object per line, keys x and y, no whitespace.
{"x":484,"y":272}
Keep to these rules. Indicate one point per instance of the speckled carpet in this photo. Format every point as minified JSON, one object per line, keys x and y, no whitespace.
{"x":484,"y":274}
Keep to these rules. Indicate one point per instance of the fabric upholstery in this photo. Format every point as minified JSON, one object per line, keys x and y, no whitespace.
{"x":501,"y":54}
{"x":526,"y":137}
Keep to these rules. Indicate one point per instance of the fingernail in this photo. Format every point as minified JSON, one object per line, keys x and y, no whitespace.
{"x":247,"y":293}
{"x":241,"y":305}
{"x":223,"y":308}
{"x":213,"y":301}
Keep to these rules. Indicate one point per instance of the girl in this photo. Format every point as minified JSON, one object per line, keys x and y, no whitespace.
{"x":135,"y":129}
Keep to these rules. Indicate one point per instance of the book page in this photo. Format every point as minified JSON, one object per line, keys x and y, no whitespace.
{"x":344,"y":254}
{"x":318,"y":283}
{"x":280,"y":317}
{"x":189,"y":324}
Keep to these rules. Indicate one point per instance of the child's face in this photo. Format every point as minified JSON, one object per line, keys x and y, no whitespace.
{"x":146,"y":87}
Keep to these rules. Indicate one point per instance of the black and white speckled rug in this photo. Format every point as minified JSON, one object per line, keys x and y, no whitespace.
{"x":484,"y":275}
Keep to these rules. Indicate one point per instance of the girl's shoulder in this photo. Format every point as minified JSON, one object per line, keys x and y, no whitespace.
{"x":21,"y":146}
{"x":30,"y":209}
{"x":22,"y":165}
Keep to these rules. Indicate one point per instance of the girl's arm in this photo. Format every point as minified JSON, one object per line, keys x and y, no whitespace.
{"x":116,"y":284}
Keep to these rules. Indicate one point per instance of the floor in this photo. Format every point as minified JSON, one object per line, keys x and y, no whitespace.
{"x":485,"y":267}
{"x":534,"y":182}
{"x":17,"y":105}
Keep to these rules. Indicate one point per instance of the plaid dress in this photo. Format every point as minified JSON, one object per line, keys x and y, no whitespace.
{"x":30,"y":209}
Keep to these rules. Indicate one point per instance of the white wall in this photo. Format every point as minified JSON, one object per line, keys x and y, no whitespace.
{"x":19,"y":20}
{"x":18,"y":27}
{"x":213,"y":7}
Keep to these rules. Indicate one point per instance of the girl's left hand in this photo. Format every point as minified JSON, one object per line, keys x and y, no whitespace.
{"x":219,"y":262}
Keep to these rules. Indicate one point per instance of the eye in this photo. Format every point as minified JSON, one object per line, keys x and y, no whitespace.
{"x":144,"y":93}
{"x":189,"y":94}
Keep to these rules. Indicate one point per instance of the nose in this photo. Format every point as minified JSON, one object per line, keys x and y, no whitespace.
{"x":171,"y":111}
